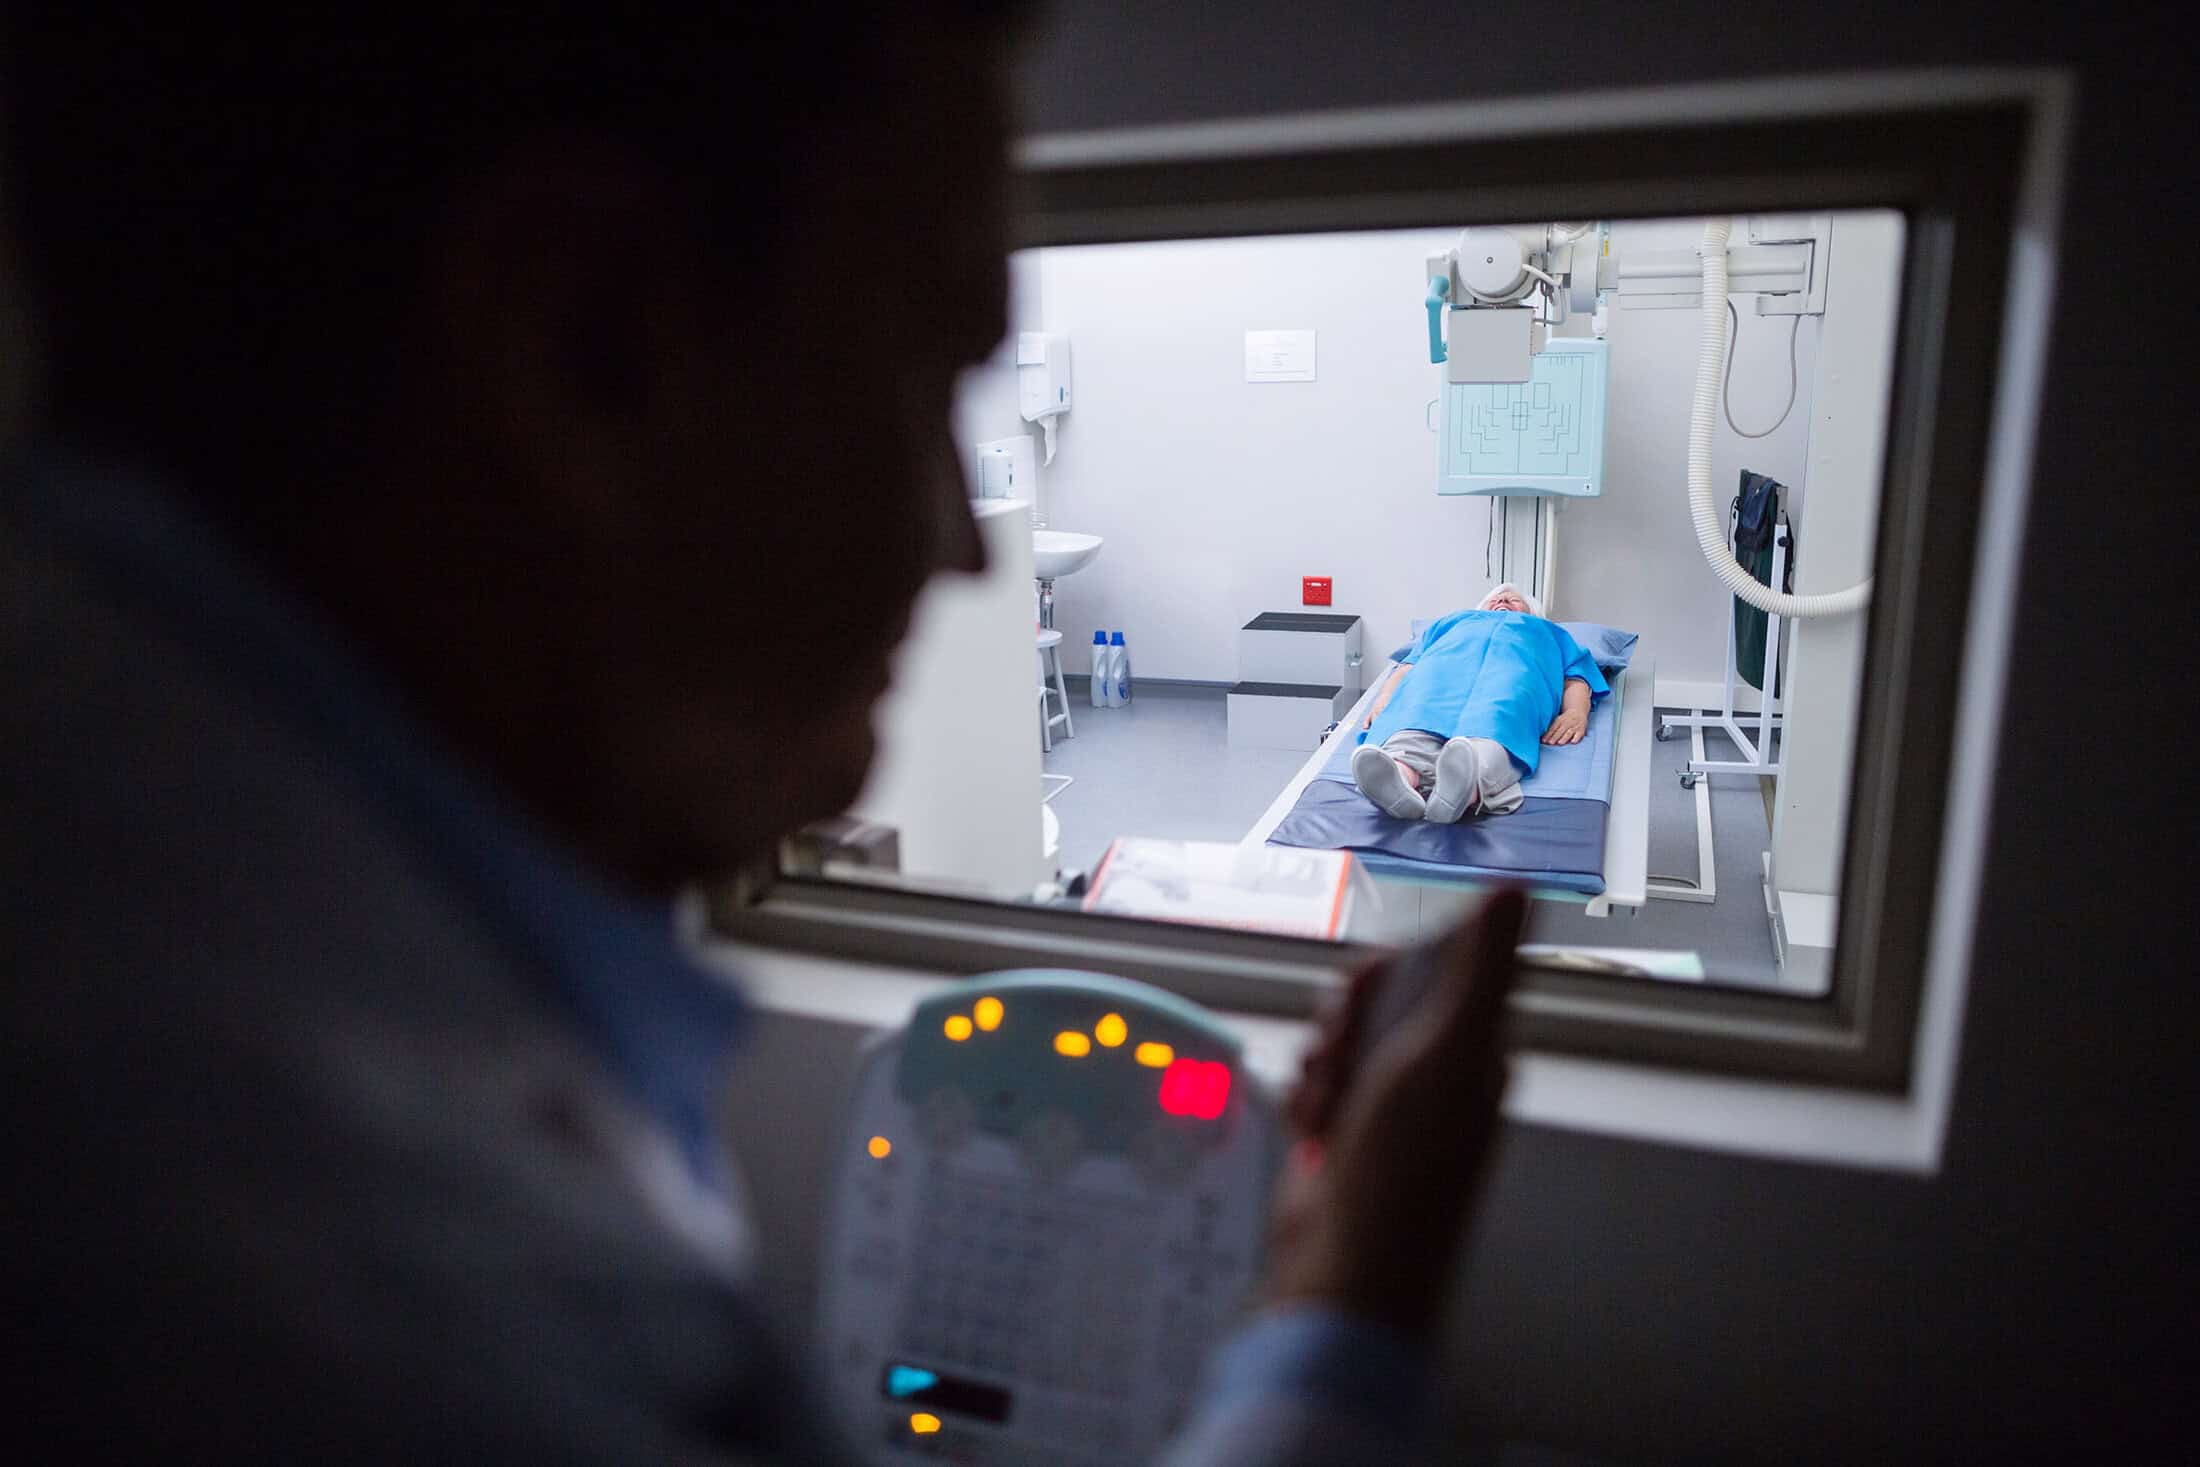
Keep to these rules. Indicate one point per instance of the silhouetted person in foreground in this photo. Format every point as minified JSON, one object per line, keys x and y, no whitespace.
{"x":417,"y":411}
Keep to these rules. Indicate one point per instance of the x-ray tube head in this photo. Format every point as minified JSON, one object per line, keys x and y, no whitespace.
{"x":1492,"y":265}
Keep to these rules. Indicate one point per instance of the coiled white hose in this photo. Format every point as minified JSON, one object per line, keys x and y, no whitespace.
{"x":1710,"y":533}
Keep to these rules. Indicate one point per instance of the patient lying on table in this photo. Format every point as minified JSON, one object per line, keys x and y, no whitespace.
{"x":1461,"y":721}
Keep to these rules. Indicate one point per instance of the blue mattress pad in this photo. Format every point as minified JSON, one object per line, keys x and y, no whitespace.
{"x":1554,"y":841}
{"x":1551,"y":844}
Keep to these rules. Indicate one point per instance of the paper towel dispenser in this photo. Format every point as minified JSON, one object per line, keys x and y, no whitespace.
{"x":1042,"y":380}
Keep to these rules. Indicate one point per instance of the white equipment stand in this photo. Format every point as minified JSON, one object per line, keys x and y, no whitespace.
{"x":1757,"y":757}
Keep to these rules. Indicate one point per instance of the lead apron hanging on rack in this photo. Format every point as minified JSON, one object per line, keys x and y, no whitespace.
{"x":1759,"y":507}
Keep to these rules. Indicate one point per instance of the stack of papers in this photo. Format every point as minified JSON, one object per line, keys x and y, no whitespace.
{"x":1262,"y":888}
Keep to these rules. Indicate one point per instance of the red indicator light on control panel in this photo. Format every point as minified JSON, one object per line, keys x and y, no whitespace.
{"x":1197,"y":1088}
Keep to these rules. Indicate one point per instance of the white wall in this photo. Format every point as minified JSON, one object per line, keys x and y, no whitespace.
{"x":1216,"y":495}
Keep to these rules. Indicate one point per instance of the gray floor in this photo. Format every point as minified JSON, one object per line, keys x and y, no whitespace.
{"x":1163,"y":767}
{"x":1159,"y":766}
{"x":1732,"y":933}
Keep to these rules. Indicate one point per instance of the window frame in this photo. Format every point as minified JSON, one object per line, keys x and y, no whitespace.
{"x":1972,"y":160}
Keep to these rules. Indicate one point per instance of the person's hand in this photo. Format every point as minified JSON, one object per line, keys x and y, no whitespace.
{"x":1567,"y":728}
{"x":1393,"y":1142}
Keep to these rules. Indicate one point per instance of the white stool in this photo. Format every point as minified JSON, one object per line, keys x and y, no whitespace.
{"x":1050,"y":653}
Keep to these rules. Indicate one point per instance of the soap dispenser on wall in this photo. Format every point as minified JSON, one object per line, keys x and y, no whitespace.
{"x":1042,"y":381}
{"x":1005,"y":470}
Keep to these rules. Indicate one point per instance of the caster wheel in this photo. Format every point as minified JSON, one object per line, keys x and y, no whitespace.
{"x":1664,"y":733}
{"x":1688,"y":781}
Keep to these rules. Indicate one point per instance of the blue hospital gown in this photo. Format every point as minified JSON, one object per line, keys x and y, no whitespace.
{"x":1489,"y":675}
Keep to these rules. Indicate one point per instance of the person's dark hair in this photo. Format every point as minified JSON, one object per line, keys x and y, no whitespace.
{"x":215,"y":220}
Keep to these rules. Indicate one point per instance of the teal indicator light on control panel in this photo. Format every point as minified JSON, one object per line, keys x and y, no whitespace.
{"x":907,"y":1380}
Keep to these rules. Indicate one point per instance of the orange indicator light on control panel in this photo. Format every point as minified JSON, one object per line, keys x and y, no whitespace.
{"x":958,"y":1027}
{"x":1154,"y":1056}
{"x":923,"y":1423}
{"x":988,"y":1012}
{"x":880,"y":1147}
{"x":1072,"y":1043}
{"x":1111,"y":1030}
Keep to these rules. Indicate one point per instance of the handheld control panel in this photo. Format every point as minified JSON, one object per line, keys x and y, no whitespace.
{"x":1048,"y":1204}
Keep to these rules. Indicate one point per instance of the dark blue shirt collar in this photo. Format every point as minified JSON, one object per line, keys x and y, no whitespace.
{"x":660,"y":1024}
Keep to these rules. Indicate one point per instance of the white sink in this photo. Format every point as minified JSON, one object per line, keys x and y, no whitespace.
{"x":1058,"y":552}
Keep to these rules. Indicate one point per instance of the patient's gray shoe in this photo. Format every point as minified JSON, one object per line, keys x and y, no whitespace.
{"x":1376,"y":773}
{"x":1458,"y":783}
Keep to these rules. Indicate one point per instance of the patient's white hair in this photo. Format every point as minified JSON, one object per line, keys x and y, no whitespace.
{"x":1507,"y":588}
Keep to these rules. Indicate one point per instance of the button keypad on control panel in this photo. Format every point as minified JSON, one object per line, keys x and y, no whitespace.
{"x":1050,"y":1283}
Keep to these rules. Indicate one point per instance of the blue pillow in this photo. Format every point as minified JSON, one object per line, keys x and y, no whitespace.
{"x":1611,"y":648}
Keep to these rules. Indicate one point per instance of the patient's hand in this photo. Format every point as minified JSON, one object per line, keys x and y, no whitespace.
{"x":1568,"y":727}
{"x":1390,"y":690}
{"x":1573,"y":714}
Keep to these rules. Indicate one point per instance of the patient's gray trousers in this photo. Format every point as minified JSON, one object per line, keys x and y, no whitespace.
{"x":1500,"y":782}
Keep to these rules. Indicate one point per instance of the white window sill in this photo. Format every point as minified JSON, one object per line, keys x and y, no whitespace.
{"x":1664,"y":1106}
